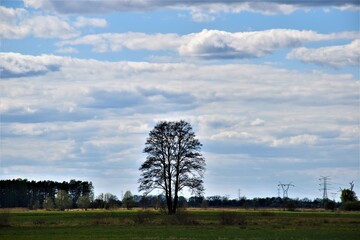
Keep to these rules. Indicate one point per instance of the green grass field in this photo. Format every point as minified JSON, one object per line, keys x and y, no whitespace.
{"x":190,"y":224}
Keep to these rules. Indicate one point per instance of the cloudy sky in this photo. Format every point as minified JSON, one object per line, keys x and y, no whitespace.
{"x":271,"y":89}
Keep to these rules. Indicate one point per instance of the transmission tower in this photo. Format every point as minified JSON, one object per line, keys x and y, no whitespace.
{"x":325,"y":185}
{"x":285,"y":188}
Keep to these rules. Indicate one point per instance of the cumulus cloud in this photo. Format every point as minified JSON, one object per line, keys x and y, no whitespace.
{"x":333,"y":56}
{"x":109,"y":42}
{"x":18,"y":23}
{"x":17,"y":65}
{"x":220,"y":44}
{"x":208,"y":44}
{"x":265,"y":6}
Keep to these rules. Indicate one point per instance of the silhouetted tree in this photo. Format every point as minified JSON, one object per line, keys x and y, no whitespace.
{"x":173,"y":162}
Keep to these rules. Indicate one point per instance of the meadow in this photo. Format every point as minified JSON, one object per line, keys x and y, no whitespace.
{"x":189,"y":224}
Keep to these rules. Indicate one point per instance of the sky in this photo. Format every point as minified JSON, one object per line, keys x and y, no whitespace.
{"x":271,"y":89}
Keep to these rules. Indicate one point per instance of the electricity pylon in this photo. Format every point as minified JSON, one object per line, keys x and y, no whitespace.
{"x":285,"y":188}
{"x":325,"y":186}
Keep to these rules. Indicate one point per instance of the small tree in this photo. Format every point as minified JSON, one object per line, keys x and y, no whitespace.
{"x":62,"y":200}
{"x":128,"y":200}
{"x":173,"y":162}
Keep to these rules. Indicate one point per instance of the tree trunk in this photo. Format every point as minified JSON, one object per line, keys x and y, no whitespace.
{"x":169,"y":207}
{"x":176,"y":192}
{"x":175,"y":204}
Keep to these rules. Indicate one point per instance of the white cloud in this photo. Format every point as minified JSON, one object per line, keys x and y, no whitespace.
{"x":263,"y":6}
{"x":112,"y":42}
{"x":333,"y":56}
{"x":48,"y":27}
{"x":201,"y":16}
{"x":18,"y":65}
{"x":18,"y":23}
{"x":220,"y":44}
{"x":11,"y":15}
{"x":93,"y":22}
{"x":207,"y":44}
{"x":33,"y":149}
{"x":257,"y":122}
{"x":296,"y":140}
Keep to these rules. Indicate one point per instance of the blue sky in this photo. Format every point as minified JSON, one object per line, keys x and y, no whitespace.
{"x":271,"y":89}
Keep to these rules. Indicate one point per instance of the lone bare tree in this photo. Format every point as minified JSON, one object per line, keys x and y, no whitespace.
{"x":173,"y":162}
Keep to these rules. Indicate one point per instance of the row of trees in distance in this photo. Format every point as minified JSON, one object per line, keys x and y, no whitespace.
{"x":45,"y":194}
{"x":78,"y":194}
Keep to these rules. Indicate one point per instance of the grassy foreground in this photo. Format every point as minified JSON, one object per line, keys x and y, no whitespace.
{"x":191,"y":224}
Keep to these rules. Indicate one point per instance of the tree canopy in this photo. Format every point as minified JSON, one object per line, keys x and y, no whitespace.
{"x":173,"y":162}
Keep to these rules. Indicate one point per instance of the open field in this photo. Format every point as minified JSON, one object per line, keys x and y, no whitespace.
{"x":191,"y":224}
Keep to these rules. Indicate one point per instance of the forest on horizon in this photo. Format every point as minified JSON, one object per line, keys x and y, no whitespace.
{"x":50,"y":195}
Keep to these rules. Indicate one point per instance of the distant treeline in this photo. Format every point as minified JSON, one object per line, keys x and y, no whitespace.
{"x":224,"y":202}
{"x":42,"y":194}
{"x":159,"y":202}
{"x":80,"y":194}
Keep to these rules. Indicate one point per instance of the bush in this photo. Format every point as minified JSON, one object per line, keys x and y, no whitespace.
{"x":351,"y":206}
{"x":231,"y":218}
